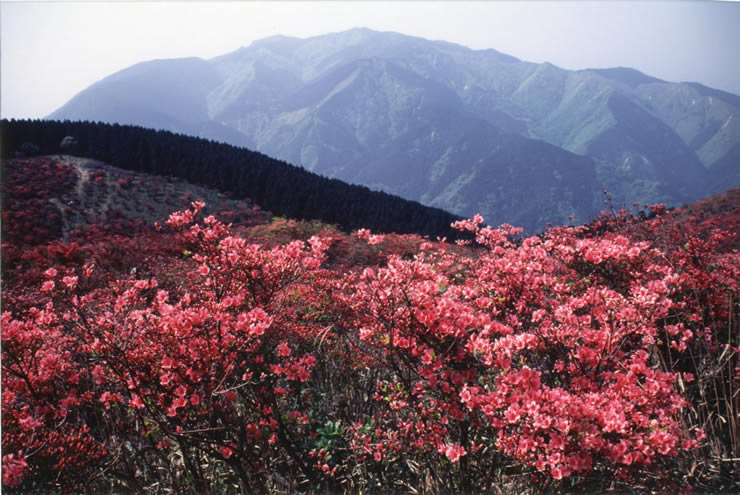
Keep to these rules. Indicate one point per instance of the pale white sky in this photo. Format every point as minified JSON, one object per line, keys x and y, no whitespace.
{"x":49,"y":51}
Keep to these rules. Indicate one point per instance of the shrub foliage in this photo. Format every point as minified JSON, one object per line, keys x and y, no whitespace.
{"x":584,"y":358}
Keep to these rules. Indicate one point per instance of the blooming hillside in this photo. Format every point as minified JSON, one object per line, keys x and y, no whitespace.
{"x":292,"y":357}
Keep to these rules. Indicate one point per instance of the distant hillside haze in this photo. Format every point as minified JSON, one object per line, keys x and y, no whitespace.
{"x":468,"y":131}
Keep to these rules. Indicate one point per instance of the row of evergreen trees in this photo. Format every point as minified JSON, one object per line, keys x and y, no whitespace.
{"x":275,"y":185}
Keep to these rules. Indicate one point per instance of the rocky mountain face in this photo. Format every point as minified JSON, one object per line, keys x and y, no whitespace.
{"x":464,"y":130}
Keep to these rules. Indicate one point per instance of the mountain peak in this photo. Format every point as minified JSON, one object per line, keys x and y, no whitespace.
{"x":626,"y":75}
{"x":277,"y":38}
{"x":357,"y":34}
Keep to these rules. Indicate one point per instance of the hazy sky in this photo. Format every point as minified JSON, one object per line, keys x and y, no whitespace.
{"x":49,"y":51}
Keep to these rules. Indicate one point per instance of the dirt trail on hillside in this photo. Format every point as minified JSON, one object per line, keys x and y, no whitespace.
{"x":83,"y":177}
{"x":83,"y":174}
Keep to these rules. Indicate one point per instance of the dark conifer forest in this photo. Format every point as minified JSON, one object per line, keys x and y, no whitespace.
{"x":275,"y":185}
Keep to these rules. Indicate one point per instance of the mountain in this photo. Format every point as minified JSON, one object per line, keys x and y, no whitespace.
{"x":464,"y":130}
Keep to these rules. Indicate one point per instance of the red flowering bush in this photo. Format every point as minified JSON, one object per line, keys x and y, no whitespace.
{"x":541,"y":350}
{"x":210,"y":369}
{"x":566,"y":360}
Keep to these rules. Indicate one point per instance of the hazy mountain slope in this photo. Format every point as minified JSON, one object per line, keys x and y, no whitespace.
{"x":161,"y":94}
{"x":424,"y":118}
{"x":375,"y":122}
{"x":648,"y":153}
{"x":519,"y":181}
{"x":725,"y":173}
{"x":706,"y":119}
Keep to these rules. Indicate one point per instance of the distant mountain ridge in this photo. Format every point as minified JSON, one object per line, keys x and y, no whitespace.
{"x":464,"y":130}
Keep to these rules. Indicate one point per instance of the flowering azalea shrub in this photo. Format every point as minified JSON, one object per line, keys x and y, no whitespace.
{"x":212,"y":369}
{"x":576,"y":359}
{"x":544,"y":350}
